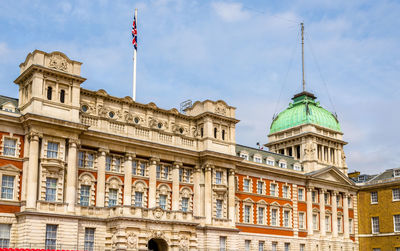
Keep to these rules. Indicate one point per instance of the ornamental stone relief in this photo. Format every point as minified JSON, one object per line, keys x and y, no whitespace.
{"x":184,"y":243}
{"x":132,"y":241}
{"x":58,"y":62}
{"x":220,"y":109}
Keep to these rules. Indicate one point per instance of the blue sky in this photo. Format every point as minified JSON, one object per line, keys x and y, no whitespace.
{"x":244,"y":52}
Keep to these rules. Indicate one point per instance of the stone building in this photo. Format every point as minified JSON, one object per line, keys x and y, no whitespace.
{"x":379,"y":211}
{"x":81,"y":169}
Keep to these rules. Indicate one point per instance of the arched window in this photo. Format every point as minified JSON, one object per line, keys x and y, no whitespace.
{"x":62,"y":96}
{"x":223,"y":134}
{"x":49,"y":92}
{"x":215,"y":132}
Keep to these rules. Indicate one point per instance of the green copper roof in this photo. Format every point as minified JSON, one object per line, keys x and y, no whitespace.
{"x":304,"y":110}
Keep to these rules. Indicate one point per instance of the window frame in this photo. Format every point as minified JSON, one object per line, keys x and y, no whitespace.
{"x":6,"y":189}
{"x":14,"y":148}
{"x":52,"y":152}
{"x":373,"y":201}
{"x":302,"y":221}
{"x":302,"y":194}
{"x":396,"y":229}
{"x":375,"y":224}
{"x":5,"y":235}
{"x":48,"y":194}
{"x":51,"y":236}
{"x":398,"y":194}
{"x":82,"y":196}
{"x":89,"y":239}
{"x":113,"y":191}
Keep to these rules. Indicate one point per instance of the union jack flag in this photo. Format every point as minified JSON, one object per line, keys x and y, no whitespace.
{"x":134,"y":33}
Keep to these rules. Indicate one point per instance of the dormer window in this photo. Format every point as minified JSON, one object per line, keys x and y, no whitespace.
{"x":257,"y":159}
{"x":396,"y":173}
{"x":270,"y":162}
{"x":297,"y":167}
{"x":282,"y":165}
{"x":244,"y":155}
{"x":49,"y":92}
{"x":62,"y":96}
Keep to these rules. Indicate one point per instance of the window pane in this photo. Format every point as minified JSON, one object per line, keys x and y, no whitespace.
{"x":138,"y":199}
{"x":5,"y":235}
{"x":89,"y":239}
{"x":219,"y":209}
{"x":185,"y":204}
{"x":51,"y":189}
{"x":51,"y":236}
{"x":113,"y":197}
{"x":163,"y":201}
{"x":85,"y":195}
{"x":9,"y":147}
{"x":397,"y":223}
{"x":52,"y":150}
{"x":7,"y":187}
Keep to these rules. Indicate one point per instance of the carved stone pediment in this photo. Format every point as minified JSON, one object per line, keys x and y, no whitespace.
{"x":220,"y":108}
{"x":58,"y":62}
{"x":10,"y":168}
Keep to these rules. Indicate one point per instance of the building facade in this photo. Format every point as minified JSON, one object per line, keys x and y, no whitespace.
{"x":379,"y":209}
{"x":81,"y":169}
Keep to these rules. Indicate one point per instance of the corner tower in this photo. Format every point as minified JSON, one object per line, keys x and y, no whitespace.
{"x":309,"y":133}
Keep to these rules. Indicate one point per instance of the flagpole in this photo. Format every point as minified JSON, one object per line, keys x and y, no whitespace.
{"x":134,"y":66}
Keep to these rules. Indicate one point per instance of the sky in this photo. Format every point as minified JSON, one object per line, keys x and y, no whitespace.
{"x":247,"y":53}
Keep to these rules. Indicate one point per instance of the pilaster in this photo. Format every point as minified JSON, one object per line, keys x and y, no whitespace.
{"x":101,"y":177}
{"x":153,"y":182}
{"x":128,"y":179}
{"x":334,"y":215}
{"x":70,"y":196}
{"x":175,"y":185}
{"x":346,"y":216}
{"x":310,"y":226}
{"x":231,"y":196}
{"x":208,"y":194}
{"x":196,"y":187}
{"x":32,"y":186}
{"x":322,"y":212}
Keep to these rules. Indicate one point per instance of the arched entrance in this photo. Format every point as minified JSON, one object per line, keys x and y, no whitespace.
{"x":157,"y":245}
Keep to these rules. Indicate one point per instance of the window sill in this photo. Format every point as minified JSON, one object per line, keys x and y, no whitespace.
{"x":10,"y":202}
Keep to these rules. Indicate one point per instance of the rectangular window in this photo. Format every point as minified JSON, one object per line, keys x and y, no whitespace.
{"x":260,"y":187}
{"x":52,"y":150}
{"x":301,"y":194}
{"x":315,"y":221}
{"x":222,"y":243}
{"x":7,"y":187}
{"x":51,"y":236}
{"x":375,"y":225}
{"x":260,"y":215}
{"x":85,"y":195}
{"x":287,"y":246}
{"x":112,"y":197}
{"x":166,"y":172}
{"x":134,"y":167}
{"x":350,"y":226}
{"x":219,"y":209}
{"x":270,"y":162}
{"x":218,"y":177}
{"x":187,"y":175}
{"x":338,"y":200}
{"x":163,"y":201}
{"x":246,"y":185}
{"x":282,"y":165}
{"x":327,"y":224}
{"x":376,"y":249}
{"x":138,"y":199}
{"x":158,"y":172}
{"x":89,"y":239}
{"x":5,"y":235}
{"x":396,"y":223}
{"x":185,"y":204}
{"x":272,"y":190}
{"x":247,"y":244}
{"x":274,"y":246}
{"x":257,"y":159}
{"x":286,"y":218}
{"x":349,"y":202}
{"x":142,"y":171}
{"x":260,"y":246}
{"x":108,"y":163}
{"x":302,"y":247}
{"x":51,"y":189}
{"x":396,"y":194}
{"x":301,"y":220}
{"x":247,"y":214}
{"x":90,"y":160}
{"x":117,"y":164}
{"x":374,"y":197}
{"x":285,"y":192}
{"x":274,"y":216}
{"x":81,"y":159}
{"x":339,"y":224}
{"x":10,"y":146}
{"x":180,"y":175}
{"x":314,"y":196}
{"x":326,"y":198}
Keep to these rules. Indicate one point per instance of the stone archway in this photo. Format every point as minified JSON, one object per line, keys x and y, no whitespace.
{"x":157,"y":245}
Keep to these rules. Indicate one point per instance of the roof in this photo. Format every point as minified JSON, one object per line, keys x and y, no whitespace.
{"x":304,"y":110}
{"x":265,"y":154}
{"x":4,"y":100}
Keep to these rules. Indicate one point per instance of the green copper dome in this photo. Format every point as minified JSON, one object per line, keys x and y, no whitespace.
{"x":304,"y":110}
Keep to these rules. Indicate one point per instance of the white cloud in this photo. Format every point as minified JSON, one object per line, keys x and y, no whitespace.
{"x":230,"y":12}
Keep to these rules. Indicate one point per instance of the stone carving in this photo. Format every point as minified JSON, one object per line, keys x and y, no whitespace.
{"x":103,"y":111}
{"x":128,"y":117}
{"x":158,"y":213}
{"x":220,"y":109}
{"x":132,"y":240}
{"x":196,"y":131}
{"x":114,"y":239}
{"x":309,"y":150}
{"x":58,"y":62}
{"x":184,"y":243}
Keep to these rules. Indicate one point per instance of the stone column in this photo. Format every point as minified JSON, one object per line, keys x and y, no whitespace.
{"x":25,"y":168}
{"x":101,"y":177}
{"x":32,"y":186}
{"x":231,"y":196}
{"x":334,"y":215}
{"x":346,"y":216}
{"x":310,"y":226}
{"x":128,"y":179}
{"x":175,"y":186}
{"x":322,"y":212}
{"x":196,"y":187}
{"x":208,"y":194}
{"x":152,"y":182}
{"x":71,"y":188}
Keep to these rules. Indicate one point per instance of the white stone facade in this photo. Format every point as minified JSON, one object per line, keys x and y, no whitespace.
{"x":131,"y":173}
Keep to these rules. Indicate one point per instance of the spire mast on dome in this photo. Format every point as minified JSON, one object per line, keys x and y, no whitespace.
{"x":302,"y":55}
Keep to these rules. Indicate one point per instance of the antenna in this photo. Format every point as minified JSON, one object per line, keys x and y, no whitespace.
{"x":302,"y":54}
